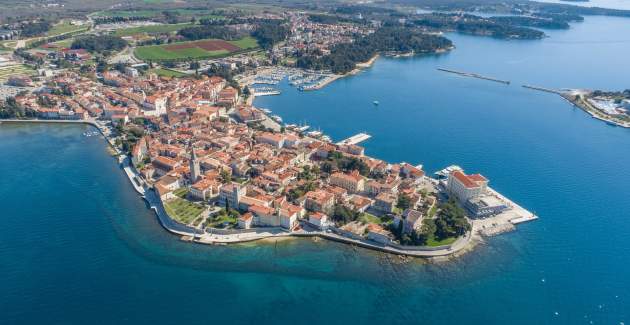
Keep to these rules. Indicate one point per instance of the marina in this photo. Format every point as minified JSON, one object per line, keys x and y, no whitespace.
{"x":302,"y":80}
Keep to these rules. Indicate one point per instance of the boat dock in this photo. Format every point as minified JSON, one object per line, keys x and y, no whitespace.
{"x":259,"y":93}
{"x":505,"y":221}
{"x":547,"y":90}
{"x":474,"y":75}
{"x":355,"y":139}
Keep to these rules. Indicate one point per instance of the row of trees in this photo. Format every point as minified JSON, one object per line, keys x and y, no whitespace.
{"x":210,"y":31}
{"x":11,"y":109}
{"x":344,"y":57}
{"x":270,"y":32}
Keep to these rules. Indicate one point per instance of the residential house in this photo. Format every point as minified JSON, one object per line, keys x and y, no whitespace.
{"x":353,"y":181}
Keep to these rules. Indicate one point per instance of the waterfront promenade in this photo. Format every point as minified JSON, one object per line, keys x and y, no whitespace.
{"x":204,"y":237}
{"x":490,"y":226}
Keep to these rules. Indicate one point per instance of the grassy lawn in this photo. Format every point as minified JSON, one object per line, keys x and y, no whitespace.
{"x":181,"y":192}
{"x":182,"y":210}
{"x":152,"y":29}
{"x":64,"y":27}
{"x":245,"y":43}
{"x":62,"y":43}
{"x":434,"y":242}
{"x":219,"y":221}
{"x":163,"y":72}
{"x":369,"y":218}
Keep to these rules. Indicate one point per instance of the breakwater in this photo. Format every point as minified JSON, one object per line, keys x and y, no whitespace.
{"x":547,"y":90}
{"x":474,"y":75}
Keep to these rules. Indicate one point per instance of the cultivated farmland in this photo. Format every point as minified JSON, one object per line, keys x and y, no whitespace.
{"x":202,"y":49}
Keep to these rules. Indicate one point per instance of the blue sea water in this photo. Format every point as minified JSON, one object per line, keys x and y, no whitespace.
{"x":77,"y":245}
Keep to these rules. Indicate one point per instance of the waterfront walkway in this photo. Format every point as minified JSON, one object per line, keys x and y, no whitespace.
{"x":505,"y":221}
{"x":516,"y":215}
{"x":200,"y":236}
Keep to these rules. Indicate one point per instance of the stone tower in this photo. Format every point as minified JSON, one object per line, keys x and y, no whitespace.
{"x":195,"y":171}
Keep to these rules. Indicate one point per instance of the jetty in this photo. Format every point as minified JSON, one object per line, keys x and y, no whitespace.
{"x":355,"y":139}
{"x":265,"y":92}
{"x":474,"y":75}
{"x":547,"y":90}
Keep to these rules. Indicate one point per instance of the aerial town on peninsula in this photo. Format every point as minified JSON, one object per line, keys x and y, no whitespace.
{"x":173,"y":93}
{"x":195,"y":148}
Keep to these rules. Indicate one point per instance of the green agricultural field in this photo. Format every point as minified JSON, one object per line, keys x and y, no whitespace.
{"x":246,"y":43}
{"x":155,"y":13}
{"x":182,"y":210}
{"x":162,"y":53}
{"x":158,"y":52}
{"x":152,"y":29}
{"x":65,"y":27}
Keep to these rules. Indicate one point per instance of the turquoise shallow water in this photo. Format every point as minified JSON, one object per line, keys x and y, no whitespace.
{"x":78,"y":246}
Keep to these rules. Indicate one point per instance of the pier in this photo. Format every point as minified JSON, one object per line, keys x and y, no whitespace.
{"x":355,"y":139}
{"x":547,"y":90}
{"x":265,"y":93}
{"x":474,"y":75}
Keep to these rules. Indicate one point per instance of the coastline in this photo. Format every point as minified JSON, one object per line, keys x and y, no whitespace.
{"x":223,"y":237}
{"x":576,"y":98}
{"x":200,"y":237}
{"x":582,"y":104}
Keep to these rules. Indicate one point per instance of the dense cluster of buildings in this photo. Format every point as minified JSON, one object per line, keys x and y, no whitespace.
{"x":122,"y":97}
{"x":197,"y":140}
{"x":196,"y":143}
{"x":314,"y":37}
